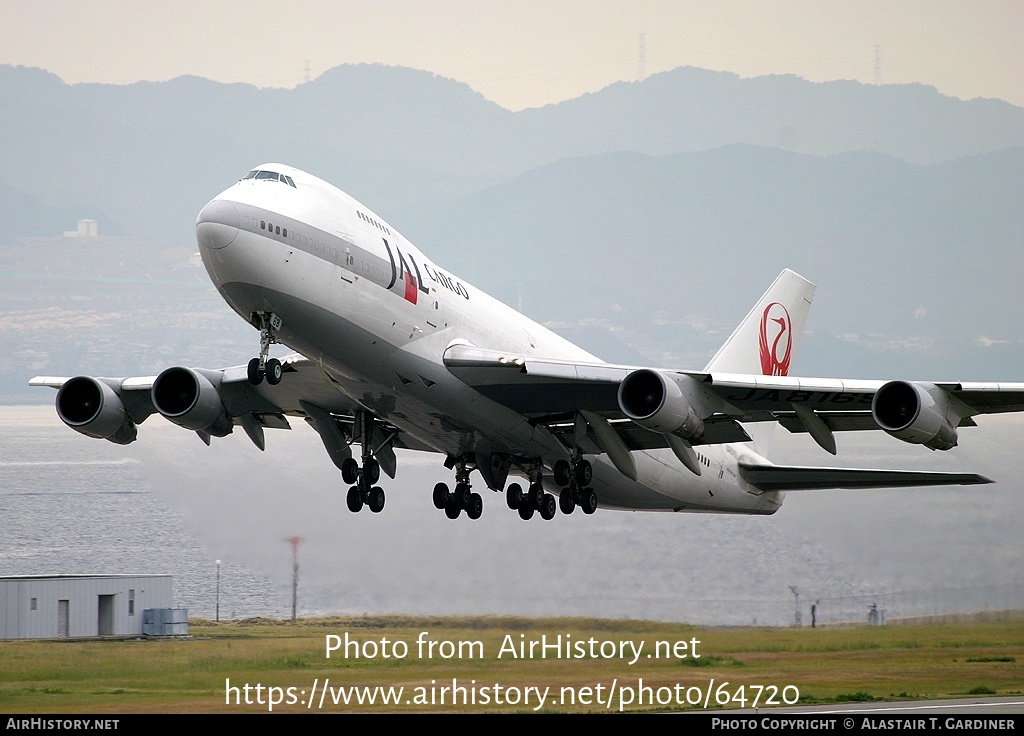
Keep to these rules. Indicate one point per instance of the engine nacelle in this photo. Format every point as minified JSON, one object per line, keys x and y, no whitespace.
{"x":657,"y":401}
{"x":916,"y":413}
{"x":188,"y":399}
{"x":93,"y":408}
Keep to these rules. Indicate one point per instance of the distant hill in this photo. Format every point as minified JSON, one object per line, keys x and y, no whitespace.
{"x":150,"y":154}
{"x":689,"y":109}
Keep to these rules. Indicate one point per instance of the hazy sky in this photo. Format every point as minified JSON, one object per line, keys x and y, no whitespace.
{"x":528,"y":52}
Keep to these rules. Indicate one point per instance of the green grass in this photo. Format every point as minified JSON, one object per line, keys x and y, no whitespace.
{"x":826,"y":665}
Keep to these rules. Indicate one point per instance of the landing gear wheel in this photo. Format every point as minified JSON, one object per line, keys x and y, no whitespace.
{"x":376,"y":499}
{"x":548,"y":507}
{"x":463,"y":491}
{"x":526,"y":512}
{"x":536,"y":495}
{"x":354,"y":500}
{"x":584,"y":473}
{"x":452,"y":510}
{"x":588,"y":501}
{"x":440,"y":496}
{"x":253,"y":372}
{"x":349,"y":470}
{"x":514,"y":496}
{"x":561,"y":473}
{"x":371,"y":469}
{"x":475,"y":507}
{"x":566,"y":501}
{"x":274,"y":371}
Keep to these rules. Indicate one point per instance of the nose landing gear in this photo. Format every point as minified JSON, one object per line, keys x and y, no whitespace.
{"x":262,"y":367}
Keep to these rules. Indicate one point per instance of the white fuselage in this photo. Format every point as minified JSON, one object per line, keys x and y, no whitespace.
{"x":360,"y":300}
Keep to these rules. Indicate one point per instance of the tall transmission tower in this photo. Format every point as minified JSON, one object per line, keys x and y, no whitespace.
{"x":878,"y":64}
{"x":641,"y":58}
{"x":308,"y":75}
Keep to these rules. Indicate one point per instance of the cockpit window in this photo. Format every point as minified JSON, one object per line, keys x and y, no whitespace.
{"x":270,"y":176}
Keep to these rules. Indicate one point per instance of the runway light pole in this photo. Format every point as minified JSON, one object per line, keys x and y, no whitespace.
{"x":294,"y":542}
{"x":218,"y":590}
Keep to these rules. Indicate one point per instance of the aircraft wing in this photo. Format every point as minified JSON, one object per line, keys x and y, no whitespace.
{"x":213,"y":402}
{"x":707,"y":406}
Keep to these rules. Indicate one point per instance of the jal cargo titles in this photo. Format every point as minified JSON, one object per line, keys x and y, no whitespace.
{"x":400,"y":271}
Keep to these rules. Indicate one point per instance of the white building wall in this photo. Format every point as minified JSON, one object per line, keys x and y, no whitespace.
{"x":18,"y":620}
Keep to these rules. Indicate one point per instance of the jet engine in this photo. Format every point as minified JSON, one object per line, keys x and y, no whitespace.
{"x":916,"y":413}
{"x":93,"y":408}
{"x":658,"y":402}
{"x":188,"y":398}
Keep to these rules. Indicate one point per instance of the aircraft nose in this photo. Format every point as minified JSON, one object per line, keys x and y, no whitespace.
{"x":217,"y":224}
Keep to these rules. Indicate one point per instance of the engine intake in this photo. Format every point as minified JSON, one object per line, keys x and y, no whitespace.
{"x":95,"y":409}
{"x":188,"y":398}
{"x":656,"y":401}
{"x":915,"y":413}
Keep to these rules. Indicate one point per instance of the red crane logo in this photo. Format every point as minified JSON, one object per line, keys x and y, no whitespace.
{"x":772,"y":362}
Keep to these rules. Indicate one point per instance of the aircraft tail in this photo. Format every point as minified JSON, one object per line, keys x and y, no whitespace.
{"x":766,"y":340}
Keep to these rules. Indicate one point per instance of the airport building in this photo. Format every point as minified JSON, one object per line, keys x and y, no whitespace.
{"x":55,"y":606}
{"x":85,"y":229}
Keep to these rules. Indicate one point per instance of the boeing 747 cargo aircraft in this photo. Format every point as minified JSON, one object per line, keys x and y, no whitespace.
{"x":394,"y":351}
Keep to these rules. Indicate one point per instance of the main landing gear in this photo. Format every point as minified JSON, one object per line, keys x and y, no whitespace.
{"x":574,"y":480}
{"x":362,"y":477}
{"x":463,"y":498}
{"x":536,"y":500}
{"x":262,"y":367}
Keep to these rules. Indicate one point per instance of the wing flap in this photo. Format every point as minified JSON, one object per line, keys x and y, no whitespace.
{"x":718,"y":431}
{"x":538,"y":388}
{"x":839,"y":421}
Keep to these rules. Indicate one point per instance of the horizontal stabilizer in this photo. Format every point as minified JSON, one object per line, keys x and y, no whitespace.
{"x":795,"y":478}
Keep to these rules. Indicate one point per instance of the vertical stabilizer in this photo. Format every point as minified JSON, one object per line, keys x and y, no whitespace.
{"x":766,"y":340}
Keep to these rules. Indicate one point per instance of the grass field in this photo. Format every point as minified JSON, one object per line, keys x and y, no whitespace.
{"x":423,"y":655}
